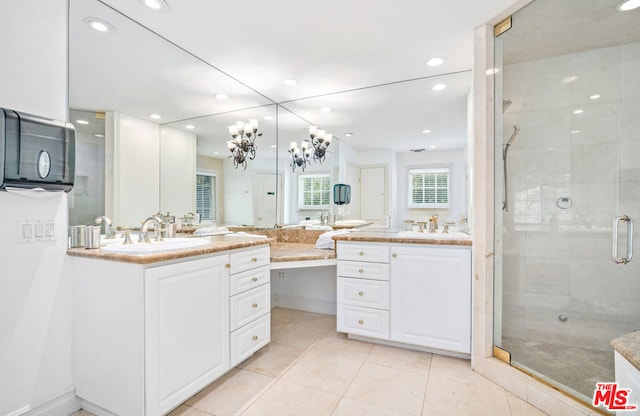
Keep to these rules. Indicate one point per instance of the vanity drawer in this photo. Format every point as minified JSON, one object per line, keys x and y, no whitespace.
{"x":249,"y":305}
{"x":363,"y":270}
{"x":378,"y":253}
{"x":241,"y":282}
{"x":249,"y":339}
{"x":362,"y":292}
{"x":363,"y":321}
{"x":249,"y":259}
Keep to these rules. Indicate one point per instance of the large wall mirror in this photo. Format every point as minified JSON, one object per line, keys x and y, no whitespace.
{"x":119,"y":78}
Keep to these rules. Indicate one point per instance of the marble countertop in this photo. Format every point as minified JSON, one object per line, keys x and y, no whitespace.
{"x":629,"y":347}
{"x":217,"y":243}
{"x":299,"y":252}
{"x":392,"y":237}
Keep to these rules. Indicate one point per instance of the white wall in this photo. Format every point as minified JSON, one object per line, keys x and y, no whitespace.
{"x":35,"y":294}
{"x":133,"y":159}
{"x":177,"y":171}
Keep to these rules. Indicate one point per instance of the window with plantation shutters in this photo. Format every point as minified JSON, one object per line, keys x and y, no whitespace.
{"x":314,"y":191}
{"x":206,"y":196}
{"x":429,"y":188}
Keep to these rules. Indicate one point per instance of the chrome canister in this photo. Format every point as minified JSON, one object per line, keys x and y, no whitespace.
{"x":77,"y":236}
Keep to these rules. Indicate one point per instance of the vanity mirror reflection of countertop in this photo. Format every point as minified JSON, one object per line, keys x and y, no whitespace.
{"x":407,"y":237}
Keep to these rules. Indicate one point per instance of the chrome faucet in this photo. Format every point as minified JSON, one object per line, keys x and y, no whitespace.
{"x":109,"y":231}
{"x":157,"y":223}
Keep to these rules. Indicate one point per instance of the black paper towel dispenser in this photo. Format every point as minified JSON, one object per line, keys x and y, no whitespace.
{"x":36,"y":152}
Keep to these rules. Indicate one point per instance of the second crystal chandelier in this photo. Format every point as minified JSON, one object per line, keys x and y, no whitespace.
{"x":315,"y":150}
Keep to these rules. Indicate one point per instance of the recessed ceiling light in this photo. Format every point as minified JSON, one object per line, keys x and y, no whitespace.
{"x":190,"y":126}
{"x":268,"y":118}
{"x":435,"y":61}
{"x":82,"y":122}
{"x":594,"y":96}
{"x":570,"y":79}
{"x":221,"y":96}
{"x":348,"y":134}
{"x":432,"y":147}
{"x":273,"y":146}
{"x":99,"y":135}
{"x":438,"y":87}
{"x":155,"y":116}
{"x":427,"y":131}
{"x":160,"y":5}
{"x":99,"y":25}
{"x":578,"y":111}
{"x":629,"y":5}
{"x":290,"y":82}
{"x":576,"y":131}
{"x":325,"y":109}
{"x":215,"y":153}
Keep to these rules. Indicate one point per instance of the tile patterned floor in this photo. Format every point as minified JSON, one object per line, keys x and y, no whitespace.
{"x":310,"y":370}
{"x":574,"y":368}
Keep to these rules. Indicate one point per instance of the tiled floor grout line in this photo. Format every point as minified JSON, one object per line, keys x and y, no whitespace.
{"x":424,"y":397}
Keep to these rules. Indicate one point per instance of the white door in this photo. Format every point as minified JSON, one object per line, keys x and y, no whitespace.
{"x":430,"y":290}
{"x":372,"y":193}
{"x":186,"y":330}
{"x":352,"y":177}
{"x":268,"y":210}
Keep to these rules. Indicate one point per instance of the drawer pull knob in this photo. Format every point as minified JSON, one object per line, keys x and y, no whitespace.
{"x":360,"y":293}
{"x":254,"y":279}
{"x":394,"y":255}
{"x":255,"y":338}
{"x":227,"y":266}
{"x":361,"y":322}
{"x":254,"y":306}
{"x":360,"y":271}
{"x":361,"y":253}
{"x":254,"y":259}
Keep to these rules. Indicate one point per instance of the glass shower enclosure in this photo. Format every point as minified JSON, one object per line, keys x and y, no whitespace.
{"x":567,"y":189}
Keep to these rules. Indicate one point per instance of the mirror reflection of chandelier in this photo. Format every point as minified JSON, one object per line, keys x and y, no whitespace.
{"x":315,"y":149}
{"x":243,"y":147}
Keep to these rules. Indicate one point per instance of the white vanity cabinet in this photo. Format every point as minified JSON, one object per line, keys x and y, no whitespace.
{"x":415,"y":294}
{"x":149,"y":336}
{"x":249,"y":302}
{"x":363,"y":289}
{"x":430,"y":303}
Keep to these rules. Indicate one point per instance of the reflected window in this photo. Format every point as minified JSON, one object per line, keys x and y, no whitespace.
{"x":206,"y":196}
{"x":314,"y":191}
{"x":429,"y":188}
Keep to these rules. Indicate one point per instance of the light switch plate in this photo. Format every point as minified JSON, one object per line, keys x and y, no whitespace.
{"x":35,"y":230}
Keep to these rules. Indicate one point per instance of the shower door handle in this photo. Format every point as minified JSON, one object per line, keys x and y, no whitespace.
{"x":614,"y":239}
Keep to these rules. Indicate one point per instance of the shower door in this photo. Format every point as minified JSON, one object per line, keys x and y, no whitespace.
{"x":566,"y":283}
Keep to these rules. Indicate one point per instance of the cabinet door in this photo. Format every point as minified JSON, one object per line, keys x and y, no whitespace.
{"x":186,"y":330}
{"x":431,"y":297}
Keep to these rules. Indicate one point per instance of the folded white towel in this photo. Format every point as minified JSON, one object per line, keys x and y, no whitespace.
{"x":243,"y":234}
{"x":211,"y":231}
{"x":318,"y":227}
{"x":325,"y":239}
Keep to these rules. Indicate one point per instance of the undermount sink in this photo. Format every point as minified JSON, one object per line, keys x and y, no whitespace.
{"x":168,"y":244}
{"x":434,"y":236}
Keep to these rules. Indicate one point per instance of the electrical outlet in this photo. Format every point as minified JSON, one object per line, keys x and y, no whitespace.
{"x":280,"y":275}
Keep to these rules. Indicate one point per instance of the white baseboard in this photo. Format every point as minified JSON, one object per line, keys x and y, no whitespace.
{"x":63,"y":405}
{"x":96,"y":410}
{"x":302,"y":303}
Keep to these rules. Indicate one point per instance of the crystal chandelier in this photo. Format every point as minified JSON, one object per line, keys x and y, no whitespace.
{"x":315,"y":150}
{"x":243,"y":147}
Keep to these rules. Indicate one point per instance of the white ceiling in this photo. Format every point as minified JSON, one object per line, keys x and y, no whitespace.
{"x":174,"y":62}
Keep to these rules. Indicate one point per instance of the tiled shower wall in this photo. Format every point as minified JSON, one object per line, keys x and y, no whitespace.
{"x":558,"y":261}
